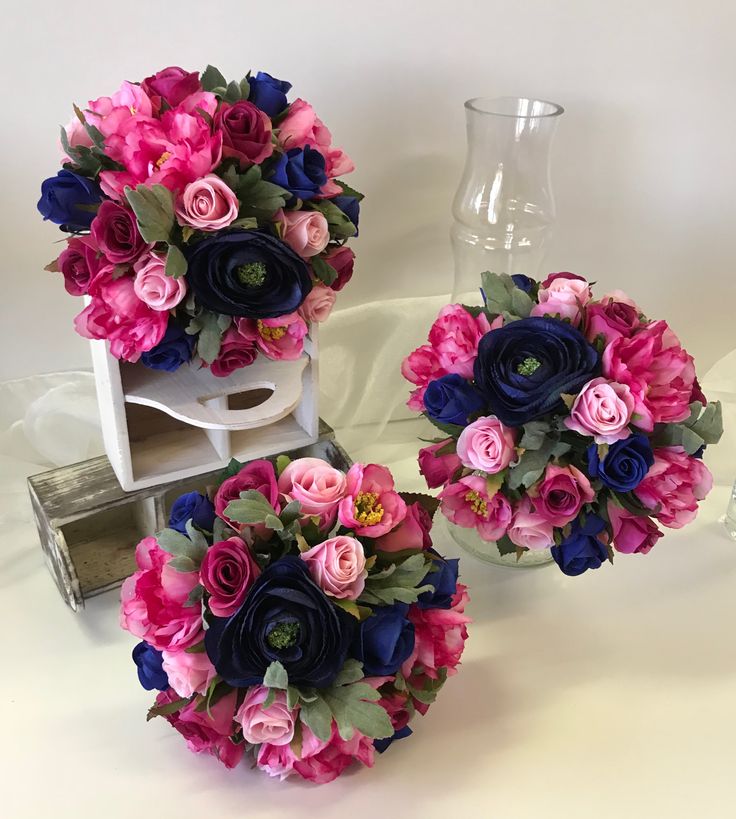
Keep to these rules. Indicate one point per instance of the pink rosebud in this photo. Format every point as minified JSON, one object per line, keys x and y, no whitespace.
{"x":561,"y":494}
{"x":632,"y":533}
{"x":342,"y":260}
{"x":246,"y":132}
{"x":258,"y":475}
{"x":411,"y":533}
{"x":171,"y":85}
{"x":529,"y":529}
{"x":563,"y":294}
{"x":602,"y":409}
{"x":337,"y":566}
{"x":115,"y":230}
{"x":438,"y":469}
{"x":612,"y":319}
{"x":237,"y":350}
{"x":188,"y":673}
{"x":228,"y":570}
{"x":154,"y":287}
{"x":317,"y":486}
{"x":305,"y":231}
{"x":76,"y":136}
{"x":274,"y":725}
{"x":487,"y":445}
{"x":336,"y":755}
{"x":207,"y":204}
{"x":468,"y":504}
{"x":318,"y":304}
{"x":371,"y":506}
{"x":454,"y":337}
{"x":281,"y":339}
{"x":79,"y":264}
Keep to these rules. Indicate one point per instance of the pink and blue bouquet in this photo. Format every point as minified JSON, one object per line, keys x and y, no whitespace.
{"x":206,"y":219}
{"x":568,"y":422}
{"x":298,"y":615}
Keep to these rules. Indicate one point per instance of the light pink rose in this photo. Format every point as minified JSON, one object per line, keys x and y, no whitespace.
{"x":611,"y":318}
{"x":675,"y":484}
{"x":438,"y":469}
{"x":337,"y":566}
{"x":632,"y":533}
{"x":305,"y":231}
{"x":529,"y":529}
{"x":454,"y":336}
{"x":274,"y":725}
{"x":281,"y":338}
{"x":561,"y":494}
{"x":318,"y":304}
{"x":110,"y":114}
{"x":468,"y":504}
{"x":77,"y":137}
{"x":237,"y":350}
{"x":657,"y":370}
{"x":371,"y":506}
{"x":207,"y":204}
{"x":154,"y":287}
{"x":602,"y":409}
{"x":487,"y":444}
{"x":188,"y":673}
{"x":421,"y":367}
{"x":317,"y":486}
{"x":411,"y":533}
{"x":563,"y":294}
{"x":278,"y":760}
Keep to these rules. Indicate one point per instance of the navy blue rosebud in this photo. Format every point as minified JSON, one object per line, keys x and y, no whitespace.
{"x":150,"y":667}
{"x":444,"y":581}
{"x":382,"y":745}
{"x":268,"y":93}
{"x":195,"y":507}
{"x":625,"y":465}
{"x":69,"y":200}
{"x":174,"y":349}
{"x":581,"y":549}
{"x":450,"y":399}
{"x":385,"y":640}
{"x":300,"y":171}
{"x":350,"y":206}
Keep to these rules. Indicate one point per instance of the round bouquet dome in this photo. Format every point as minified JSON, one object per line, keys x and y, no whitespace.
{"x":568,"y":422}
{"x":207,"y":222}
{"x":296,"y":614}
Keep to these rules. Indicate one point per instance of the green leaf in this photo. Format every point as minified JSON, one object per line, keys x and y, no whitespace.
{"x":274,"y":522}
{"x":340,"y":226}
{"x":534,"y":435}
{"x":212,"y":78}
{"x":276,"y":676}
{"x":505,"y":546}
{"x":521,"y":303}
{"x":449,"y":429}
{"x":246,"y":223}
{"x":209,"y":340}
{"x":354,"y":708}
{"x":323,"y":271}
{"x":250,"y":508}
{"x":281,"y":463}
{"x":220,"y":530}
{"x":232,"y":92}
{"x":317,"y":716}
{"x":83,"y":159}
{"x":270,"y":697}
{"x":397,"y":582}
{"x":351,"y":672}
{"x":168,"y":708}
{"x":429,"y":502}
{"x":258,"y":198}
{"x":183,"y":564}
{"x":633,"y":505}
{"x":176,"y":263}
{"x":194,"y":597}
{"x":179,"y":545}
{"x":427,"y":694}
{"x":532,"y":463}
{"x":94,"y":133}
{"x":197,"y":648}
{"x":348,"y":191}
{"x":154,"y":210}
{"x":291,"y":512}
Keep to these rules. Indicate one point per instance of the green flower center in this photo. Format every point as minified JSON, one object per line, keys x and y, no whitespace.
{"x":284,"y":635}
{"x":252,"y":274}
{"x":528,"y":366}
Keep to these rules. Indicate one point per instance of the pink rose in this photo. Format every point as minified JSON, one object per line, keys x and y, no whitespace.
{"x":602,"y":409}
{"x":438,"y":469}
{"x":79,"y":264}
{"x":561,"y":494}
{"x":675,"y":484}
{"x":281,"y":339}
{"x":246,"y":132}
{"x":529,"y":529}
{"x":207,"y":204}
{"x":371,"y":506}
{"x":188,"y":673}
{"x":421,"y":367}
{"x":278,"y":760}
{"x":115,"y":230}
{"x":398,"y":707}
{"x":632,"y":533}
{"x":236,"y":350}
{"x":274,"y":725}
{"x":468,"y":504}
{"x":258,"y":475}
{"x":76,"y":136}
{"x":487,"y":444}
{"x":317,"y":486}
{"x":154,"y":287}
{"x":171,"y":85}
{"x":152,"y":601}
{"x":110,"y":114}
{"x":337,"y":755}
{"x":411,"y":533}
{"x":227,"y":572}
{"x":563,"y":294}
{"x":318,"y":304}
{"x":611,"y":319}
{"x":305,"y":231}
{"x":454,"y":336}
{"x":342,"y":260}
{"x":659,"y":373}
{"x":337,"y":566}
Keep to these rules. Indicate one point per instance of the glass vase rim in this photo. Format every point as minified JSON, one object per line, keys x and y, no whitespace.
{"x":492,"y":107}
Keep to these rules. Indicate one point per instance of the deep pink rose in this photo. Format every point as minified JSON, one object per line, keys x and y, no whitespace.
{"x":207,"y":204}
{"x":421,"y":367}
{"x":115,"y":230}
{"x":236,"y":350}
{"x":227,"y":572}
{"x":337,"y":566}
{"x":154,"y":287}
{"x":632,"y":533}
{"x":305,"y":231}
{"x":278,"y":760}
{"x":342,"y":259}
{"x":258,"y":475}
{"x":111,"y":114}
{"x":188,"y":673}
{"x":317,"y":486}
{"x":438,"y":469}
{"x":246,"y":132}
{"x":487,"y":445}
{"x":529,"y":529}
{"x":659,"y":373}
{"x":411,"y":533}
{"x":371,"y":506}
{"x":602,"y":409}
{"x":274,"y":725}
{"x":318,"y":304}
{"x":454,"y":336}
{"x":397,"y":706}
{"x":563,"y":294}
{"x":152,"y":601}
{"x":281,"y":339}
{"x":675,"y":483}
{"x":171,"y":85}
{"x":611,"y":319}
{"x":337,"y":755}
{"x":467,"y":504}
{"x":562,"y":275}
{"x":561,"y":494}
{"x":79,"y":264}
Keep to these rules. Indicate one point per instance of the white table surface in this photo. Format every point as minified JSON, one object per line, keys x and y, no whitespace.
{"x":608,"y":695}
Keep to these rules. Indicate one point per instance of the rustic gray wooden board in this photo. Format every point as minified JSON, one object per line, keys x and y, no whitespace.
{"x":89,"y":527}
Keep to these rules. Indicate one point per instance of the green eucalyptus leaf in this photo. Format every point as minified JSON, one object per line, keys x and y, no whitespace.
{"x":252,"y":507}
{"x":354,"y":708}
{"x":220,"y":530}
{"x":398,"y":582}
{"x":179,"y":545}
{"x":193,"y":598}
{"x":276,"y":676}
{"x":453,"y":430}
{"x":183,"y":564}
{"x":317,"y":716}
{"x":209,"y":340}
{"x":176,"y":263}
{"x":154,"y":209}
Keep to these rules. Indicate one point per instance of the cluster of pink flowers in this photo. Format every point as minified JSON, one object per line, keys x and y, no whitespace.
{"x":323,"y":536}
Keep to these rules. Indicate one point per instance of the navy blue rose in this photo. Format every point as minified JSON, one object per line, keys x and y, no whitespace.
{"x":268,"y":93}
{"x":450,"y":399}
{"x":287,"y":618}
{"x":382,"y":745}
{"x":247,"y":273}
{"x":625,"y":465}
{"x":444,"y":581}
{"x":524,"y":367}
{"x":195,"y":507}
{"x":350,"y":206}
{"x":174,"y":349}
{"x":301,"y":171}
{"x":581,"y":549}
{"x":69,"y":200}
{"x":150,"y":667}
{"x":385,"y":640}
{"x":523,"y":282}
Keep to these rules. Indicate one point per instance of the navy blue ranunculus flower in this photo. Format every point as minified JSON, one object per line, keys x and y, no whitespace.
{"x":287,"y":618}
{"x":350,"y":206}
{"x":524,"y":367}
{"x":581,"y":549}
{"x":195,"y":507}
{"x":150,"y":667}
{"x":268,"y":93}
{"x":523,"y":282}
{"x":247,"y":273}
{"x":444,"y":580}
{"x":174,"y":349}
{"x":384,"y":640}
{"x":69,"y":199}
{"x":301,"y":171}
{"x":382,"y":745}
{"x":625,"y":465}
{"x":450,"y":399}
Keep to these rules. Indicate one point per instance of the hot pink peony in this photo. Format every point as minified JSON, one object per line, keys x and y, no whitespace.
{"x":454,"y":336}
{"x":281,"y":339}
{"x":561,"y":494}
{"x":468,"y":504}
{"x":305,"y":231}
{"x":611,"y":319}
{"x":274,"y":724}
{"x":632,"y":533}
{"x":438,"y":469}
{"x":258,"y":475}
{"x":236,"y":350}
{"x":337,"y":755}
{"x":207,"y":204}
{"x":371,"y":506}
{"x":227,"y":572}
{"x":529,"y":529}
{"x":411,"y":533}
{"x":110,"y":114}
{"x":246,"y":132}
{"x":602,"y":409}
{"x":420,"y":367}
{"x":188,"y":673}
{"x":154,"y":287}
{"x":563,"y":294}
{"x":318,"y":304}
{"x":317,"y":486}
{"x":115,"y":230}
{"x":674,"y":485}
{"x":337,"y":566}
{"x":487,"y":444}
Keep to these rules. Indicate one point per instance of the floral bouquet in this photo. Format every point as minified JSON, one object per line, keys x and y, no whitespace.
{"x":207,"y":219}
{"x":568,"y":422}
{"x":301,"y":619}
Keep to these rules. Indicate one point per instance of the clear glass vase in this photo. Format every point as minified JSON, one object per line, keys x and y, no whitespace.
{"x":503,"y":210}
{"x":471,"y":542}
